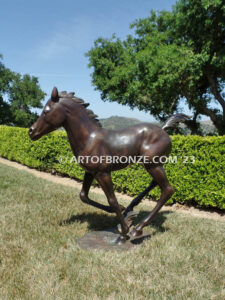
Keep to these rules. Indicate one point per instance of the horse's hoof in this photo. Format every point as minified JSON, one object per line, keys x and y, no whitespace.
{"x":128,"y":220}
{"x":135,"y":232}
{"x":119,"y":227}
{"x":130,"y":214}
{"x":130,"y":217}
{"x":121,"y":240}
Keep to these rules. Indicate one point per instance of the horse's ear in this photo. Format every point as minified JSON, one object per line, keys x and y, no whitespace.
{"x":55,"y":95}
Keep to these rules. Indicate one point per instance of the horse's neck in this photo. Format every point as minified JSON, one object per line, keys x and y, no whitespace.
{"x":79,"y":132}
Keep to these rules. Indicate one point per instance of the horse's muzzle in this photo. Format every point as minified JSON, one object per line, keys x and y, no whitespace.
{"x":32,"y":134}
{"x":31,"y":130}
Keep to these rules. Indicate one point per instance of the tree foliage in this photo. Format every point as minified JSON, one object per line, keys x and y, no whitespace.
{"x":18,"y":95}
{"x":171,"y":57}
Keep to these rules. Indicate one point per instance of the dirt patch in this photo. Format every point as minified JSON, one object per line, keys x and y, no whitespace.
{"x":73,"y":183}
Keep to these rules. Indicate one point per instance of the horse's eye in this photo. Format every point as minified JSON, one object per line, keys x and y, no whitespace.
{"x":47,"y":109}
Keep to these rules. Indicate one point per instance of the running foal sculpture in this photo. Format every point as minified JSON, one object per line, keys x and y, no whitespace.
{"x":88,"y":139}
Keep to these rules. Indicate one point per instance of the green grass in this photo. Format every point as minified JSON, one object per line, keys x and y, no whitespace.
{"x":39,"y":258}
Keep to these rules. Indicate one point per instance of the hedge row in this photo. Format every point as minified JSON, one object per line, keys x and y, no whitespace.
{"x":200,"y":183}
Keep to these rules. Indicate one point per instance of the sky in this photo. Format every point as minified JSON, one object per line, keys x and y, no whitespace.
{"x":49,"y":39}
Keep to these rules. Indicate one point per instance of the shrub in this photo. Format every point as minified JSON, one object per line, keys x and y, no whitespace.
{"x":200,"y":183}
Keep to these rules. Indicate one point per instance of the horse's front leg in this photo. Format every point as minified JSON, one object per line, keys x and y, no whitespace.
{"x":88,"y":179}
{"x":105,"y":181}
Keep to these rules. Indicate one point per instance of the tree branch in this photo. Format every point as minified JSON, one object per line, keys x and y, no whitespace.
{"x":213,"y":85}
{"x":207,"y":111}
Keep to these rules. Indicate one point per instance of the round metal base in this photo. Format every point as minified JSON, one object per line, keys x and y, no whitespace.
{"x":106,"y":240}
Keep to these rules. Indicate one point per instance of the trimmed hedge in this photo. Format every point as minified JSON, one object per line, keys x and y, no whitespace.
{"x":200,"y":183}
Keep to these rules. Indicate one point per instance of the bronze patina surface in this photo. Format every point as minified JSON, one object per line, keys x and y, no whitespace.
{"x":108,"y":240}
{"x":88,"y":139}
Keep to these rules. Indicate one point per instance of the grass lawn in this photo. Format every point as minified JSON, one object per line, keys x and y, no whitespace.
{"x":39,"y":259}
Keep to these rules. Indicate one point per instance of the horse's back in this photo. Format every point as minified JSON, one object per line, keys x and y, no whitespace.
{"x":140,"y":139}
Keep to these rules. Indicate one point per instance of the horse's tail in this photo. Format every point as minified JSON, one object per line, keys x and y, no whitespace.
{"x":173,"y":121}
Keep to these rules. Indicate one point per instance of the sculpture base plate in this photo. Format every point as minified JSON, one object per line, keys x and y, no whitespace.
{"x":106,"y":240}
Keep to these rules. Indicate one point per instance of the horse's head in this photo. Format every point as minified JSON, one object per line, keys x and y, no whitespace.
{"x":52,"y":117}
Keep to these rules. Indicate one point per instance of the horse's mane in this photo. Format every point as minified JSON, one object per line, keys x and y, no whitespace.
{"x":80,"y":101}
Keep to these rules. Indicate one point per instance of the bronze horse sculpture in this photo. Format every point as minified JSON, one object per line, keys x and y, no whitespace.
{"x":87,"y":138}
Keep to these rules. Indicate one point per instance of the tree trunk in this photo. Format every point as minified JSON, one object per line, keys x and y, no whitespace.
{"x":214,"y":88}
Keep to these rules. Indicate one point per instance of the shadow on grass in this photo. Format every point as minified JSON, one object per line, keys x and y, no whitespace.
{"x":95,"y":221}
{"x":103,"y":222}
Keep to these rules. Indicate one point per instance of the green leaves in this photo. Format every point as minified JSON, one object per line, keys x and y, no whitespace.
{"x":23,"y":94}
{"x":169,"y":58}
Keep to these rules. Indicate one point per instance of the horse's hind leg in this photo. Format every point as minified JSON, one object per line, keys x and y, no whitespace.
{"x":159,"y":175}
{"x":88,"y":179}
{"x":129,"y":214}
{"x":138,"y":199}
